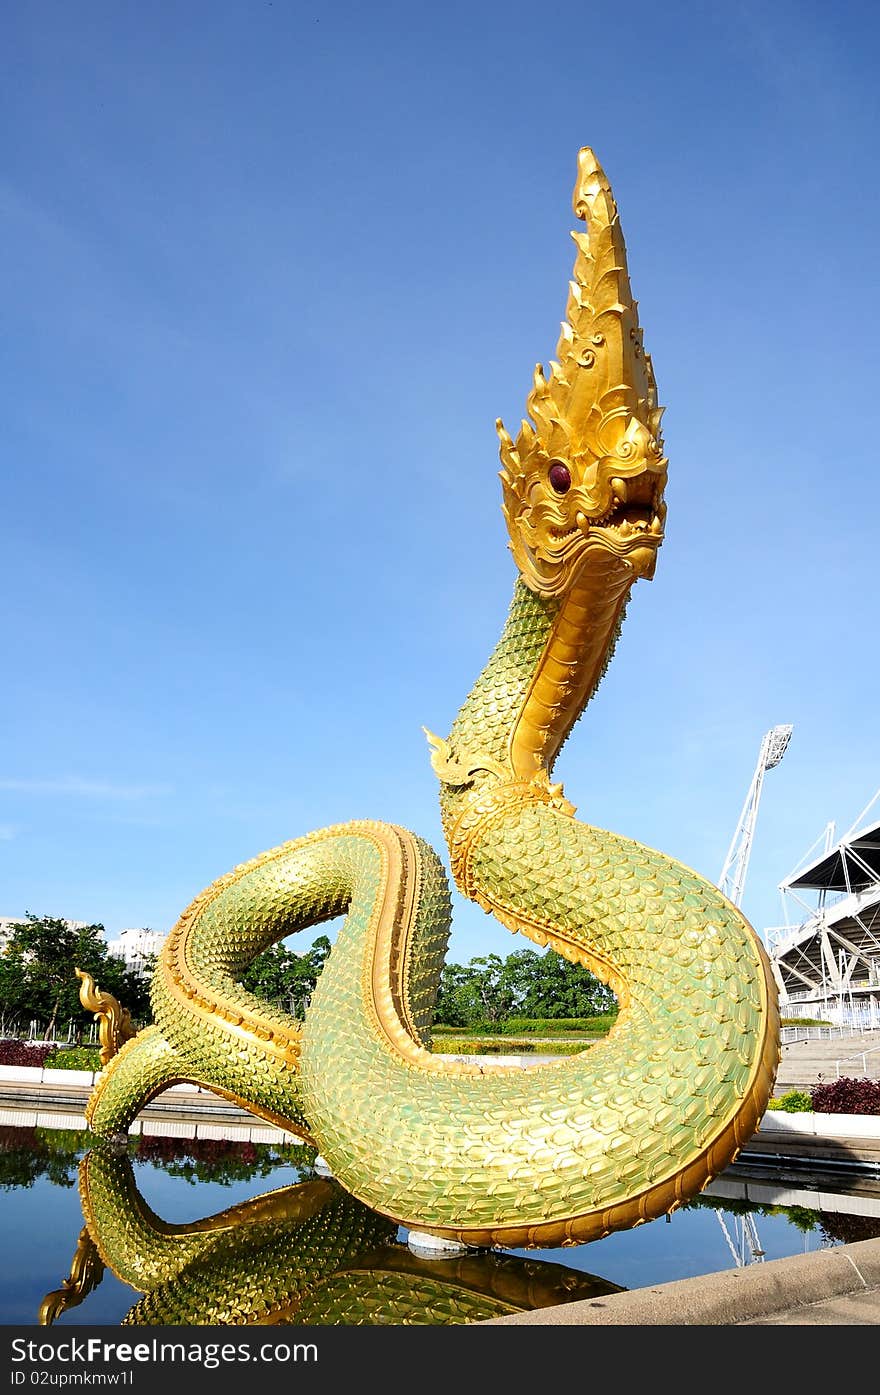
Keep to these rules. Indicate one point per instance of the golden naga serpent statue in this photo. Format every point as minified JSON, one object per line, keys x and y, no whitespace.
{"x":558,"y":1153}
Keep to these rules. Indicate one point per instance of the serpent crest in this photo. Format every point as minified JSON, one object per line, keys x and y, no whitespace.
{"x":561,"y":1152}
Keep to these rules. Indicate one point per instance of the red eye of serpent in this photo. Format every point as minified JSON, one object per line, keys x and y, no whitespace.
{"x":559,"y":478}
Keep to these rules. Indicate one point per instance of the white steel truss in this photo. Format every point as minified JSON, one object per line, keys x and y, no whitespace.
{"x":736,"y":865}
{"x":746,"y":1247}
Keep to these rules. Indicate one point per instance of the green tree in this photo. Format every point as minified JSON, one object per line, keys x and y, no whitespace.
{"x":38,"y":979}
{"x":458,"y":1002}
{"x":489,"y":990}
{"x":550,"y":986}
{"x":495,"y":983}
{"x":282,"y":976}
{"x":29,"y":1153}
{"x":485,"y":991}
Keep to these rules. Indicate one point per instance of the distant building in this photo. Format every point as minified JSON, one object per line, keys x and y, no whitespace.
{"x":6,"y":925}
{"x":132,"y":945}
{"x":9,"y":922}
{"x":136,"y":945}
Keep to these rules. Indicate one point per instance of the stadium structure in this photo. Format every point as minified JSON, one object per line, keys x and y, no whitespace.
{"x":826,"y":958}
{"x":827,"y":961}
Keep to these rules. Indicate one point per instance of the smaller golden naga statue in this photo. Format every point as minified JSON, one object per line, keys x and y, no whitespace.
{"x":86,"y":1272}
{"x":114,"y":1021}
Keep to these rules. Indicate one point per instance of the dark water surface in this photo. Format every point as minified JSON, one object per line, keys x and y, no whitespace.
{"x":160,"y":1239}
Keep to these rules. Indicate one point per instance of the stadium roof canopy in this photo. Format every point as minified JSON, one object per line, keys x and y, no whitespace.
{"x":853,"y":865}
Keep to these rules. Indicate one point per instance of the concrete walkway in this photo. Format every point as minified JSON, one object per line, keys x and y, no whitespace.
{"x":805,"y":1063}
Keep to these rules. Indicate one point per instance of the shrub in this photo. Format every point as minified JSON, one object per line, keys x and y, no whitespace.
{"x":793,"y":1102}
{"x":23,"y":1053}
{"x":534,"y":1026}
{"x":476,"y":1046}
{"x":550,"y":1026}
{"x":74,"y":1058}
{"x":837,"y":1225}
{"x":848,"y":1095}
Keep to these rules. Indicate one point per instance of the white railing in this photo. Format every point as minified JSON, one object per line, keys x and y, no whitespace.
{"x":61,"y":1035}
{"x":808,"y":995}
{"x":790,"y":1034}
{"x":856,"y":1016}
{"x":859,"y":1056}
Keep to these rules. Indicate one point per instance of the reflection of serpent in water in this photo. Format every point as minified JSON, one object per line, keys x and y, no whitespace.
{"x":308,"y":1254}
{"x":558,"y":1153}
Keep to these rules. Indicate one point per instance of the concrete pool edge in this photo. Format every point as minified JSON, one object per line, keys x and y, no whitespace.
{"x":837,"y":1286}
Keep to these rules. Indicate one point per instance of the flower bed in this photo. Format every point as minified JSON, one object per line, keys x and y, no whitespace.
{"x":848,"y":1095}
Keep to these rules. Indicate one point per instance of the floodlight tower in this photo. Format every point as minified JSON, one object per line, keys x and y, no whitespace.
{"x":733,"y":874}
{"x":732,"y":882}
{"x":747,"y":1248}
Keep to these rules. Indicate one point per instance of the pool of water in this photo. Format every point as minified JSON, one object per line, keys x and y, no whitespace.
{"x":202,"y":1232}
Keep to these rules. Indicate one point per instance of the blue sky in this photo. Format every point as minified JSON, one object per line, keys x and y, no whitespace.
{"x":273,"y":270}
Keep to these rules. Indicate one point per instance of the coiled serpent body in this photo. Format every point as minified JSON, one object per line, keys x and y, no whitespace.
{"x":557,"y":1153}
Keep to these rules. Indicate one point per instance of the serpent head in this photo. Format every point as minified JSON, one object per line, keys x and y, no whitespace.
{"x":586,"y":474}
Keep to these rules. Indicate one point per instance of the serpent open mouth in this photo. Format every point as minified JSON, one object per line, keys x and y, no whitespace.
{"x":635,"y":519}
{"x":621,"y":527}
